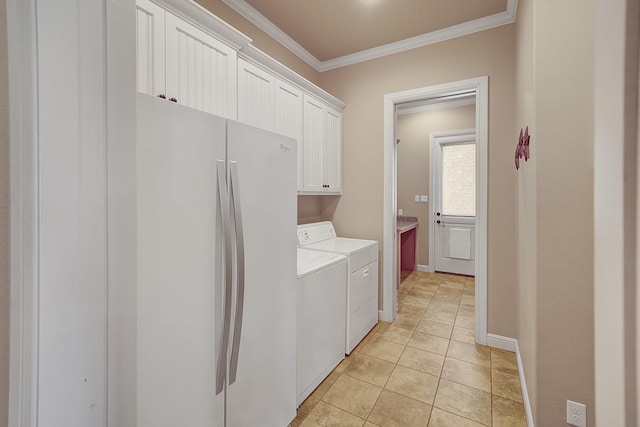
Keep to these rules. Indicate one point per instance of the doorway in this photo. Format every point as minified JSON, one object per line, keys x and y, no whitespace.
{"x":478,"y":87}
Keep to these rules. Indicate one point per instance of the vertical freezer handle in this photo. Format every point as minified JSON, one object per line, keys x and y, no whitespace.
{"x":240,"y":271}
{"x":223,"y":199}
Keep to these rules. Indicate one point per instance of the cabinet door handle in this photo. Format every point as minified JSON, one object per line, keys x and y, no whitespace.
{"x":365,"y":273}
{"x":162,"y":95}
{"x":173,"y":100}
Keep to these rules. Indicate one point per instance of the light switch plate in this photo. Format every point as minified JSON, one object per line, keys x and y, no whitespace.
{"x":424,"y":199}
{"x":416,"y":198}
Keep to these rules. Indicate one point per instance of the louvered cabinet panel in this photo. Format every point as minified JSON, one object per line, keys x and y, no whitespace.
{"x":256,"y":93}
{"x":200,"y":70}
{"x":313,"y":146}
{"x":288,"y":119}
{"x":333,"y":151}
{"x":150,"y":48}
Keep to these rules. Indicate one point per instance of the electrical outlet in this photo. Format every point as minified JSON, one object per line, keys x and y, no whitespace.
{"x":416,"y":198}
{"x":576,"y":414}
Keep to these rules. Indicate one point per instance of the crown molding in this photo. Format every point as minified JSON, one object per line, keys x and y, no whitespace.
{"x":206,"y":21}
{"x":260,"y":21}
{"x":272,"y":66}
{"x":460,"y":30}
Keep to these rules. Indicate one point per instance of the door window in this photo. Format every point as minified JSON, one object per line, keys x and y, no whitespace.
{"x":459,"y":179}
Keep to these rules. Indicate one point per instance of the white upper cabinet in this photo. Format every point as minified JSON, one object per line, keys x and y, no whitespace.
{"x":195,"y":61}
{"x":180,"y":61}
{"x":150,"y":48}
{"x":288,"y":119}
{"x":256,"y":96}
{"x":322,"y":155}
{"x":201,"y":71}
{"x":333,"y":147}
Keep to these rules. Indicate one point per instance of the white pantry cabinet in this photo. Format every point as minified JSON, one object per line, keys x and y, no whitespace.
{"x":178,"y":60}
{"x":322,"y":155}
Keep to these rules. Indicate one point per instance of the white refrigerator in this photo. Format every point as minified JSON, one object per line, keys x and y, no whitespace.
{"x":216,"y":300}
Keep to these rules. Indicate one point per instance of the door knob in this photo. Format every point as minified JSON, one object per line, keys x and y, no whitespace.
{"x":438,"y":222}
{"x":437,"y":213}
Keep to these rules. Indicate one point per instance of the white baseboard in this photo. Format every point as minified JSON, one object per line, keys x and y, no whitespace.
{"x":383,"y":317}
{"x":523,"y":384}
{"x":511,"y":344}
{"x":425,"y":268}
{"x":503,"y":343}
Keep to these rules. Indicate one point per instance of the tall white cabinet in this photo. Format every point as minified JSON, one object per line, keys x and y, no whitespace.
{"x":180,"y":61}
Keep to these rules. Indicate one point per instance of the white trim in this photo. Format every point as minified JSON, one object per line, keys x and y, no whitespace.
{"x":460,"y":30}
{"x":523,"y":387}
{"x":381,"y":315}
{"x":434,"y":169}
{"x":425,"y":268}
{"x":503,"y":343}
{"x":481,"y":86}
{"x":201,"y":18}
{"x":260,"y":59}
{"x":23,"y":105}
{"x":444,"y":105}
{"x":511,"y":344}
{"x":260,"y":21}
{"x":610,"y":208}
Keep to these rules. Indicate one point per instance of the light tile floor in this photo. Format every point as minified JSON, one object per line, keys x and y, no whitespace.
{"x":424,"y":369}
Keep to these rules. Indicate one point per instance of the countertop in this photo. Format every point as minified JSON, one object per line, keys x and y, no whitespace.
{"x":406,"y":223}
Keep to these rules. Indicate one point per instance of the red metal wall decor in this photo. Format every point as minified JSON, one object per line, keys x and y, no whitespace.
{"x":522,"y":148}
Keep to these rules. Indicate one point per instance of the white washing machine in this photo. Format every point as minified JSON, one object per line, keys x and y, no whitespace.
{"x":362,"y":281}
{"x":322,"y":301}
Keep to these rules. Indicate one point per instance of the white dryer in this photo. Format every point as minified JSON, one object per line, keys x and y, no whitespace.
{"x":362,"y":281}
{"x":322,"y":301}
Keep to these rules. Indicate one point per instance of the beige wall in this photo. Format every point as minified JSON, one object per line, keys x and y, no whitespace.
{"x":527,"y":201}
{"x":260,"y":39}
{"x":413,"y":162}
{"x":564,"y":79}
{"x":362,"y":86}
{"x":554,"y":95}
{"x":4,"y":221}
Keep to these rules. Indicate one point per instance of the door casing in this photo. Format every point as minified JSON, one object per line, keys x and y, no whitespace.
{"x":480,"y":86}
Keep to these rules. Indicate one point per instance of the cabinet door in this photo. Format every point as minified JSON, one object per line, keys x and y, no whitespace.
{"x":150,"y":47}
{"x":313,"y":136}
{"x":288,"y":119}
{"x":255,"y":96}
{"x":333,"y":150}
{"x":201,"y":70}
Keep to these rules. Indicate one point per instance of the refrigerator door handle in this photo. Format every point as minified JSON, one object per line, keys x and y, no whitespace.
{"x":223,"y":199}
{"x":240,"y":270}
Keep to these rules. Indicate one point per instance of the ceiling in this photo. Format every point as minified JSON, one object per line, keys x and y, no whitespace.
{"x":332,"y":33}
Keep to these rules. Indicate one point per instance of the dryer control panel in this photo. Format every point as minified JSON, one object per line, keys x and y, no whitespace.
{"x":315,"y":232}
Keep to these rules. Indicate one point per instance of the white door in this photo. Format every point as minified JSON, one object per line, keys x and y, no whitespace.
{"x":454,"y":201}
{"x":180,"y":270}
{"x":333,"y":151}
{"x":288,"y":118}
{"x":255,"y":96}
{"x":200,"y":70}
{"x":313,"y":145}
{"x":262,"y":373}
